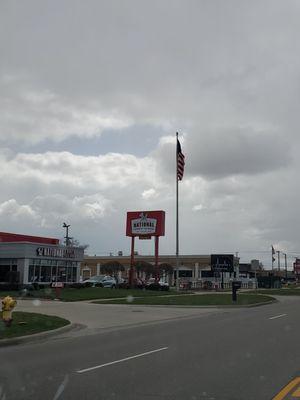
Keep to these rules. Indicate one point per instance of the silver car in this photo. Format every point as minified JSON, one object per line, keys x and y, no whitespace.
{"x":102,"y":281}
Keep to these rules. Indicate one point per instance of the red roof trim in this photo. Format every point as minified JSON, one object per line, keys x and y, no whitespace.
{"x":6,"y":237}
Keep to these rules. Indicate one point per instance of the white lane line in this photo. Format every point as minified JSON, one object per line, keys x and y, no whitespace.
{"x":61,"y":388}
{"x":81,"y":371}
{"x":278,"y":316}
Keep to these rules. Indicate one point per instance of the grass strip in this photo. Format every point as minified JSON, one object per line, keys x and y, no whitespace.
{"x":196,"y":300}
{"x":25,"y":323}
{"x":93,"y":293}
{"x":278,"y":292}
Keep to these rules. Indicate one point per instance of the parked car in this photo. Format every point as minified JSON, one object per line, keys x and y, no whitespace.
{"x":151,"y":284}
{"x":102,"y":281}
{"x":137,"y":284}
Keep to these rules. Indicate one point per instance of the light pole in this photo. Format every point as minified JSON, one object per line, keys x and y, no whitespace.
{"x":67,"y":237}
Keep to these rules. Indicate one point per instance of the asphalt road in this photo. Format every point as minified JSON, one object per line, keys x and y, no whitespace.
{"x":235,"y":355}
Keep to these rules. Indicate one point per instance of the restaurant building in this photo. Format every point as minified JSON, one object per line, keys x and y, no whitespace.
{"x":191,"y":267}
{"x":25,"y":259}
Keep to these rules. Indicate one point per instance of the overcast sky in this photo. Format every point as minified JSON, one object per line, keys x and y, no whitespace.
{"x":92,"y":93}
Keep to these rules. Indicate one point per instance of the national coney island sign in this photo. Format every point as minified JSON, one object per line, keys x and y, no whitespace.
{"x":145,"y":224}
{"x":57,"y":252}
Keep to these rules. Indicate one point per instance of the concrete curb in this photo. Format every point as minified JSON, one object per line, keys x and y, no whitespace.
{"x":39,"y":336}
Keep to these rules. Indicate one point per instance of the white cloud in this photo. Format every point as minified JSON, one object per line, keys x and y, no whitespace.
{"x":149,"y":194}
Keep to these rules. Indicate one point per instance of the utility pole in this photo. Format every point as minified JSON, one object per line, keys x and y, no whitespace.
{"x":67,"y":237}
{"x":278,"y":253}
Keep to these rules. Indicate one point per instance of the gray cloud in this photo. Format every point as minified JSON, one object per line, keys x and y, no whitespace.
{"x":219,"y":153}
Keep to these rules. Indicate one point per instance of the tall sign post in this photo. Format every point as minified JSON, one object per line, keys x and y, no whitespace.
{"x":145,"y":225}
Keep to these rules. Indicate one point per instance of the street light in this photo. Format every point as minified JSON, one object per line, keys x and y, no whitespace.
{"x":67,"y":237}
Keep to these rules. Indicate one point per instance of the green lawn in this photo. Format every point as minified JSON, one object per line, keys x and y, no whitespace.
{"x":105,"y":293}
{"x":279,"y":292}
{"x":70,"y":294}
{"x":194,"y":300}
{"x":28,"y":323}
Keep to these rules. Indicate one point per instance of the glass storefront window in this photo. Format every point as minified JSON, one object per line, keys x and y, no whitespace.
{"x":45,"y":274}
{"x":41,"y":270}
{"x":74,"y":274}
{"x":62,"y":274}
{"x":69,"y":274}
{"x":4,"y":271}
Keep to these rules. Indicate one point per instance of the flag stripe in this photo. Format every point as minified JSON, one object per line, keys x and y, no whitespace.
{"x":180,"y":162}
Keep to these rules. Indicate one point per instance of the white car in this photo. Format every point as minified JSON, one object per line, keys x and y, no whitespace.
{"x":102,"y":281}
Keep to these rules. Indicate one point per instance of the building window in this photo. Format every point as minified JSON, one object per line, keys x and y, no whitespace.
{"x":185,"y":274}
{"x":45,"y":274}
{"x":4,"y":272}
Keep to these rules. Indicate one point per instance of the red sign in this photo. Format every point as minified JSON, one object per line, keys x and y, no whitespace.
{"x":145,"y":223}
{"x":57,"y":284}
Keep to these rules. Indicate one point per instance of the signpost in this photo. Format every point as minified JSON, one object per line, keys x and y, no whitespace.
{"x":235,"y":286}
{"x":221,"y":263}
{"x":144,"y":225}
{"x":58,"y":287}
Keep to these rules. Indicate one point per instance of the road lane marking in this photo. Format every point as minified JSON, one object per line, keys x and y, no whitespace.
{"x":296,"y":392}
{"x":61,"y":387}
{"x":81,"y":371}
{"x":278,"y":316}
{"x":287,"y":389}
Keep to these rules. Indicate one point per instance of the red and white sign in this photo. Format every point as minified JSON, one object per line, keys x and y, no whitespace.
{"x":57,"y":285}
{"x":145,"y":223}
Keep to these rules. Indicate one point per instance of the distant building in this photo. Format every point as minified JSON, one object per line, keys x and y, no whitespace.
{"x":191,"y":267}
{"x":25,"y":259}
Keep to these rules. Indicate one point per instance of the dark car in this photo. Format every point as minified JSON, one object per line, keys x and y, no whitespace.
{"x":152,"y":284}
{"x":137,"y":284}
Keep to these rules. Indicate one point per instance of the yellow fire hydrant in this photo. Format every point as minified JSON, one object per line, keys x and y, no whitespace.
{"x":8,"y":304}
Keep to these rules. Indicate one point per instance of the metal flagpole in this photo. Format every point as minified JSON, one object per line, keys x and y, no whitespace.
{"x":278,"y":252}
{"x":177,"y":223}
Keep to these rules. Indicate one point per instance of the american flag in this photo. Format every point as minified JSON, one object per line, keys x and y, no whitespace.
{"x":180,"y":162}
{"x":273,"y":250}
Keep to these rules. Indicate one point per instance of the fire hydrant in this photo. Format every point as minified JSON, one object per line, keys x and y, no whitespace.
{"x":8,"y":304}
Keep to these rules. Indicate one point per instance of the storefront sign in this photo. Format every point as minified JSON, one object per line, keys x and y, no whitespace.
{"x":222,"y":262}
{"x":57,"y":252}
{"x":57,"y":285}
{"x":145,"y":223}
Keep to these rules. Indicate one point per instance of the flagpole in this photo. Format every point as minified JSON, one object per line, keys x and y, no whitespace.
{"x":177,"y":222}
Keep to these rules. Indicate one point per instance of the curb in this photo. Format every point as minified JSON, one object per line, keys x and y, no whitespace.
{"x":38,"y":336}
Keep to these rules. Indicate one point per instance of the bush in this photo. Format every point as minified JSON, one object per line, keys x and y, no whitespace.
{"x":10,"y":286}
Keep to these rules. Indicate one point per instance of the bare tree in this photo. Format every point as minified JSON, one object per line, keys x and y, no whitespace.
{"x":112,"y":268}
{"x":167,"y":269}
{"x":144,"y":266}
